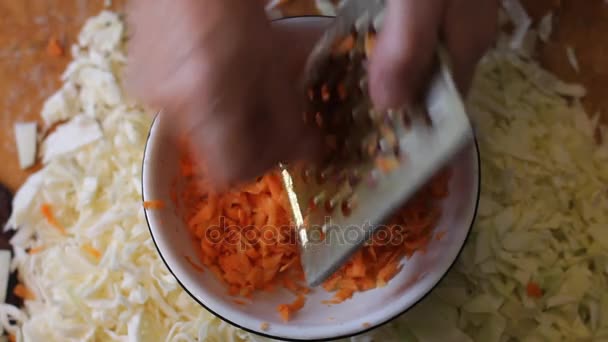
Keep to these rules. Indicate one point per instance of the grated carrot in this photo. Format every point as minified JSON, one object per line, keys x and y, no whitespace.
{"x":239,"y":302}
{"x":246,"y":237}
{"x":92,"y":251}
{"x":12,"y":338}
{"x":285,"y":310}
{"x":265,"y":326}
{"x":440,"y":235}
{"x":47,"y":212}
{"x":154,"y":204}
{"x":344,"y":46}
{"x":533,"y":290}
{"x":36,"y":250}
{"x":23,"y":292}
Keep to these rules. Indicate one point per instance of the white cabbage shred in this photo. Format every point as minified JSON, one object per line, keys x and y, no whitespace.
{"x":542,"y":219}
{"x":91,"y":178}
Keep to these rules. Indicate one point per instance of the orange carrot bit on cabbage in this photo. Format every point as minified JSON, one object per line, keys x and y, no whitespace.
{"x":36,"y":250}
{"x":194,"y":265}
{"x":23,"y":292}
{"x":92,"y":251}
{"x":47,"y":212}
{"x":287,"y":310}
{"x":154,"y":204}
{"x":533,"y":290}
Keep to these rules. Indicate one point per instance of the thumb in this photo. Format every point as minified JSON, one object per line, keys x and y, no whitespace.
{"x":403,"y":56}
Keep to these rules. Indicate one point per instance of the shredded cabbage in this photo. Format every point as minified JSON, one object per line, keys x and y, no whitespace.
{"x":92,"y":181}
{"x":542,"y":219}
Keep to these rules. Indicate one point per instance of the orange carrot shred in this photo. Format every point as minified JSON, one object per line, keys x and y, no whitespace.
{"x":533,"y":290}
{"x":12,"y":338}
{"x":47,"y":212}
{"x":265,"y":326}
{"x":23,"y":292}
{"x":54,"y":48}
{"x":285,"y":310}
{"x":239,"y":302}
{"x":370,"y":44}
{"x":246,"y":237}
{"x":92,"y":251}
{"x":344,"y":46}
{"x":154,"y":204}
{"x":36,"y":250}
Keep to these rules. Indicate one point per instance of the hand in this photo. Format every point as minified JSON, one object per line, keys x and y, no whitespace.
{"x":226,"y":77}
{"x":404,"y":54}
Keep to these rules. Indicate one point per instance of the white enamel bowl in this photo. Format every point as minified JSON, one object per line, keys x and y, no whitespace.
{"x":315,"y":321}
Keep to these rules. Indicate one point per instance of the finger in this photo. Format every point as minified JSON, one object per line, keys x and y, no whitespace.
{"x":404,"y":53}
{"x":467,"y":43}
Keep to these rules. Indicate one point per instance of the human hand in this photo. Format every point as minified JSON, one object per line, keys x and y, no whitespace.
{"x":404,"y":54}
{"x":225,"y":76}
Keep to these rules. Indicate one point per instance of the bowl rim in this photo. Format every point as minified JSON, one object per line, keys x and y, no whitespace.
{"x":349,"y":335}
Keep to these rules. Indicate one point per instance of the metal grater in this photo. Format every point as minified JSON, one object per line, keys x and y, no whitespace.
{"x":375,"y":161}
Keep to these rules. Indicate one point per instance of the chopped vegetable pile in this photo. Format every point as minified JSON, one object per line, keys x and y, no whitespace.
{"x":248,"y":240}
{"x":534,"y":269}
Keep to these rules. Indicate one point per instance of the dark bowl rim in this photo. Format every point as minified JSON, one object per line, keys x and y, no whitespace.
{"x":266,"y":335}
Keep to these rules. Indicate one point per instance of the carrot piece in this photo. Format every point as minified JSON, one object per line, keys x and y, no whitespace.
{"x":54,"y":48}
{"x":357,"y":267}
{"x":283,"y":310}
{"x":92,"y":251}
{"x":23,"y":292}
{"x":36,"y":250}
{"x":286,"y":310}
{"x":47,"y":212}
{"x":265,"y":326}
{"x":154,"y":204}
{"x":239,"y":302}
{"x":440,"y":235}
{"x":370,"y":43}
{"x":344,"y":46}
{"x":533,"y":290}
{"x":332,"y":283}
{"x":388,"y":272}
{"x":246,"y":236}
{"x":294,"y":287}
{"x":12,"y":338}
